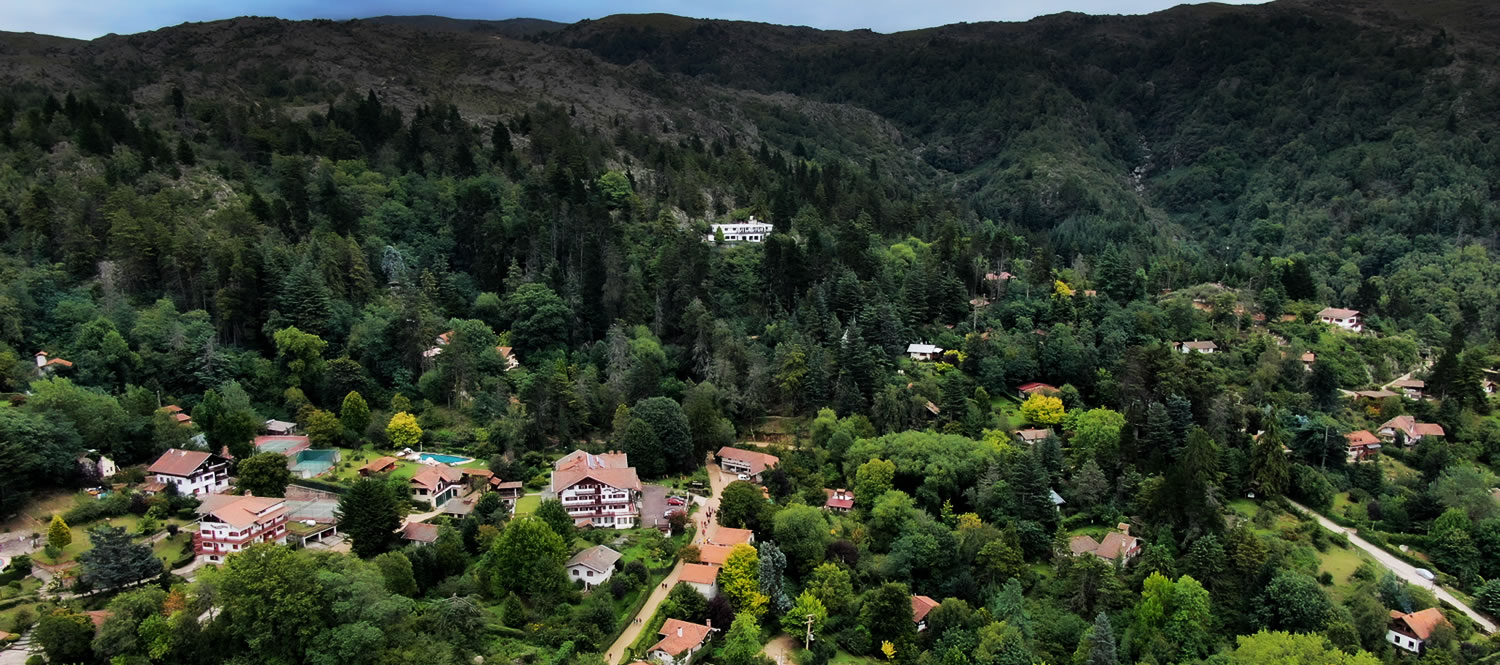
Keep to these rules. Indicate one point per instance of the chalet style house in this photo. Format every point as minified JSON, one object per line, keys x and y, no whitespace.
{"x":1411,"y":631}
{"x":228,"y":524}
{"x":192,"y":472}
{"x":598,"y":490}
{"x":436,"y":484}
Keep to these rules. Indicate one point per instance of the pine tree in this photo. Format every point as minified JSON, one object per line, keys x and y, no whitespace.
{"x":1101,"y":643}
{"x":370,"y":513}
{"x":58,"y":533}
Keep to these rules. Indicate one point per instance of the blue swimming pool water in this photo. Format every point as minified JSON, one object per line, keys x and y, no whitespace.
{"x":445,"y":459}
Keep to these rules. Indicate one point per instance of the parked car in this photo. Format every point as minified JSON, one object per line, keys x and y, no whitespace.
{"x":676,"y":501}
{"x":743,"y":476}
{"x":1426,"y":574}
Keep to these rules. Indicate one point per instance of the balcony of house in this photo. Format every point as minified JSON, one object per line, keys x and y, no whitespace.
{"x":597,"y":511}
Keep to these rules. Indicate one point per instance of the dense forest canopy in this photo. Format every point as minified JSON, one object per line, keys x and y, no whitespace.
{"x":497,"y":241}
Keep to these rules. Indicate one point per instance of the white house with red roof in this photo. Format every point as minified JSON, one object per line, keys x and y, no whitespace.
{"x":228,"y":524}
{"x":1411,"y":631}
{"x":680,"y":640}
{"x":192,"y":472}
{"x":46,"y":365}
{"x":597,"y":490}
{"x":1116,"y":545}
{"x":1362,"y":445}
{"x":921,"y":606}
{"x":838,"y":500}
{"x":1410,"y":428}
{"x":702,"y":577}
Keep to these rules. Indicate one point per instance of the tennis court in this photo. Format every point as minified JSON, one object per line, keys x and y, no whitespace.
{"x":312,"y":463}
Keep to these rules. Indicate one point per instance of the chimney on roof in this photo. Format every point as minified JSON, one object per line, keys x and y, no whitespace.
{"x":41,"y":358}
{"x":709,"y":623}
{"x":1123,"y":527}
{"x":679,"y":631}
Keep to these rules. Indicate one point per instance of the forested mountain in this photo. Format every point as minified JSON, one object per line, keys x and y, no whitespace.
{"x":496,"y":239}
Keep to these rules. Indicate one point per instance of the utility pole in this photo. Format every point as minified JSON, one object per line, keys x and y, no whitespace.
{"x":807,"y":641}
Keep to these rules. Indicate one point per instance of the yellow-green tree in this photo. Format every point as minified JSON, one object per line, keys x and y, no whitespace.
{"x":1041,"y":409}
{"x":58,"y":533}
{"x":740,"y":580}
{"x":403,"y":430}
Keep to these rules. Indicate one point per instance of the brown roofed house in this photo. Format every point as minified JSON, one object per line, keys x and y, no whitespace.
{"x":1117,"y":544}
{"x":436,"y":484}
{"x":729,"y":537}
{"x":193,"y":472}
{"x":418,"y":532}
{"x":1362,"y":445}
{"x":750,"y":463}
{"x":1411,"y":631}
{"x":378,"y":465}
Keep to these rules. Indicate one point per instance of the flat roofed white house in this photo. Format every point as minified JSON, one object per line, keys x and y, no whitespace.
{"x":750,"y":230}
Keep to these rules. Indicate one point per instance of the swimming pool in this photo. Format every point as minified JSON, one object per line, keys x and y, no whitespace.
{"x":445,"y":459}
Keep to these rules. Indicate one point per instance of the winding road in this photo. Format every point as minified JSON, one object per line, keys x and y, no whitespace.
{"x":717,"y":479}
{"x":1401,"y":568}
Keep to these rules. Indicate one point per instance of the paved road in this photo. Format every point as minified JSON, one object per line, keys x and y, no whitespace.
{"x":716,"y":482}
{"x":1401,"y":568}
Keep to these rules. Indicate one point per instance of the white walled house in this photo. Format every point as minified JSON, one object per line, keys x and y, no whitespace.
{"x":228,"y":524}
{"x":750,"y":230}
{"x":592,"y":566}
{"x":192,"y":472}
{"x":1348,"y":319}
{"x":1411,"y":631}
{"x":680,"y":640}
{"x":702,"y":577}
{"x":597,"y":490}
{"x":436,"y":484}
{"x":922,"y":351}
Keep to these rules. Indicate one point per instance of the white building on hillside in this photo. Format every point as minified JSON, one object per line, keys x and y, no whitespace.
{"x":746,"y":231}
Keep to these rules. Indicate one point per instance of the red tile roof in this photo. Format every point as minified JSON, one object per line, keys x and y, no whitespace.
{"x":181,"y":463}
{"x":680,"y":636}
{"x":714,"y":554}
{"x":920,"y":606}
{"x":730,"y":537}
{"x":699,"y":573}
{"x":1421,"y":623}
{"x":1028,"y":388}
{"x":1337,"y":313}
{"x":240,"y":511}
{"x":1361,"y":438}
{"x":437,"y":476}
{"x":840,"y":499}
{"x":618,"y":478}
{"x":379,"y":465}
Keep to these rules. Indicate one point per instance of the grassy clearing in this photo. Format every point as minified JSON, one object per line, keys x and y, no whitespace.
{"x":528,"y":504}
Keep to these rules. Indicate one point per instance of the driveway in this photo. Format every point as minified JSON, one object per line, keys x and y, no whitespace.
{"x":653,"y":505}
{"x":716,"y":482}
{"x":1401,"y":568}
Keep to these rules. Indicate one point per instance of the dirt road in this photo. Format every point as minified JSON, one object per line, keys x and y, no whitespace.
{"x":1401,"y":568}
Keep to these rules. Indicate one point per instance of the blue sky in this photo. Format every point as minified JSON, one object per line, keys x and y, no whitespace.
{"x":87,"y":19}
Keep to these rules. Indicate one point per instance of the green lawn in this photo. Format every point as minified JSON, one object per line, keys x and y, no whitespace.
{"x":1340,"y":563}
{"x":846,"y":658}
{"x":170,"y":549}
{"x":528,"y":504}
